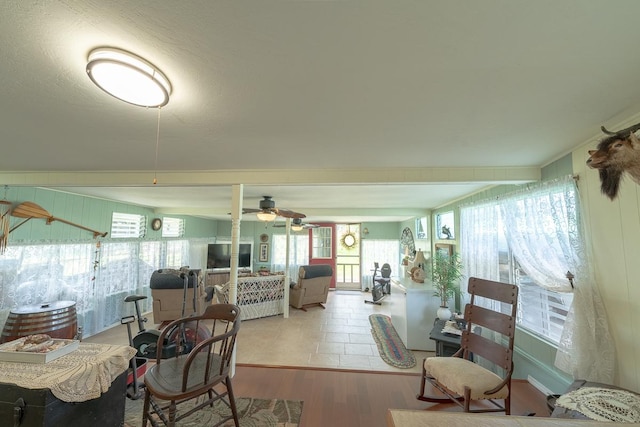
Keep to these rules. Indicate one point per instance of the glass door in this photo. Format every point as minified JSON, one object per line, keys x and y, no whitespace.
{"x":348,"y":275}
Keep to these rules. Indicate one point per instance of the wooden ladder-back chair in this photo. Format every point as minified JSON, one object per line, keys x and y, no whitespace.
{"x":198,"y":368}
{"x":458,"y":377}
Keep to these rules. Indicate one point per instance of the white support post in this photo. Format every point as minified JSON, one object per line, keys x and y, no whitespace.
{"x":285,"y":309}
{"x":236,"y":215}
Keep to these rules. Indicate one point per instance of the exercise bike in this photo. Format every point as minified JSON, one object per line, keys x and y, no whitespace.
{"x":137,"y":365}
{"x":381,"y":284}
{"x":146,"y":340}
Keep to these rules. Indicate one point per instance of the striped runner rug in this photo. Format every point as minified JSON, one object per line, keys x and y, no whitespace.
{"x":390,"y":346}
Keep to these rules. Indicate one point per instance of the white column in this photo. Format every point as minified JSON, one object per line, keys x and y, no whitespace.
{"x":236,"y":215}
{"x":286,"y":273}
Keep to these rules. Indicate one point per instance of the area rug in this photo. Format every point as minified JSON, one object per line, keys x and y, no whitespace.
{"x":251,"y":412}
{"x":390,"y":346}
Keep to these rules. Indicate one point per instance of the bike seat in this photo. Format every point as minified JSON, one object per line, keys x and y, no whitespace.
{"x":133,"y":298}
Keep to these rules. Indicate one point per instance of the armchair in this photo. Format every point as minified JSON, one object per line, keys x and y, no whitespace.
{"x":312,"y":286}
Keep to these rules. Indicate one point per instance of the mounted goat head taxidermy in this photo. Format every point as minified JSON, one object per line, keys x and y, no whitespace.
{"x":616,"y":154}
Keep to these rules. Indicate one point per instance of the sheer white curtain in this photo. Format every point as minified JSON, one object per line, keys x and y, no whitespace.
{"x":479,"y":252}
{"x":380,"y":251}
{"x":479,"y":241}
{"x":544,"y":230}
{"x":96,"y":277}
{"x":298,"y":253}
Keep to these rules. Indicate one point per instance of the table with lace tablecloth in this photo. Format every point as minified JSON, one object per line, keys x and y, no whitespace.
{"x":597,"y":401}
{"x":81,"y":375}
{"x":84,"y":387}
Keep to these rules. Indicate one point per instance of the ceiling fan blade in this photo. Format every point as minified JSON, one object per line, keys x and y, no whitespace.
{"x":307,"y":226}
{"x":248,"y":210}
{"x":289,"y":214}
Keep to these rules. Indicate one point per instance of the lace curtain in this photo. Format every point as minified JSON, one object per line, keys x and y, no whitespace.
{"x":298,"y":253}
{"x":480,"y":247}
{"x":543,"y":229}
{"x":96,"y":278}
{"x":380,"y":251}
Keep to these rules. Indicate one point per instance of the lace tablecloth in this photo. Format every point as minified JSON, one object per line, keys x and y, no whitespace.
{"x":81,"y":375}
{"x":603,"y":404}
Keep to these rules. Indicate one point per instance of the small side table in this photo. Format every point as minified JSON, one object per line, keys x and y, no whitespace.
{"x":446,"y":344}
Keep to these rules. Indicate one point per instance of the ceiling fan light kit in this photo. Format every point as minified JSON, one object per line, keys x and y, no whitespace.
{"x":266,"y":216}
{"x":128,"y":77}
{"x":297,"y":225}
{"x":268,"y":212}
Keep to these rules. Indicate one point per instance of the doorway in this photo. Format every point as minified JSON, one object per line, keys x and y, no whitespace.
{"x":348,"y":270}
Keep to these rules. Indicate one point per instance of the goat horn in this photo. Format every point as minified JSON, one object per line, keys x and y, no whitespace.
{"x":622,"y":133}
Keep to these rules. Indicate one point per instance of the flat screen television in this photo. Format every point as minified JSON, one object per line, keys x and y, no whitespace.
{"x":219,"y":255}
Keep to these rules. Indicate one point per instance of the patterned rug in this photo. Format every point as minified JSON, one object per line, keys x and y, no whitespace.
{"x":251,"y":412}
{"x":390,"y":346}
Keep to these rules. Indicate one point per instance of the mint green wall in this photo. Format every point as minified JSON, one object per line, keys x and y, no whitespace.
{"x":85,"y":211}
{"x":381,"y":230}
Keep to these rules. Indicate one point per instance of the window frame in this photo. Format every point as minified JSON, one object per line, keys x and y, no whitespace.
{"x":128,"y":226}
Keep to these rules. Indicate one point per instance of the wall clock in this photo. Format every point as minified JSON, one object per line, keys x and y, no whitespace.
{"x":156,"y":224}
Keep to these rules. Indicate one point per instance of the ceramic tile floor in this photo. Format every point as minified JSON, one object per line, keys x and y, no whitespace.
{"x":337,"y":337}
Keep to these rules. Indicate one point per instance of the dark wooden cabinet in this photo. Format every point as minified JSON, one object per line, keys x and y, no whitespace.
{"x":446,"y":344}
{"x":40,"y":408}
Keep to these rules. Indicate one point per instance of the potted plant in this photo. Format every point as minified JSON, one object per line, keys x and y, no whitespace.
{"x":445,"y":273}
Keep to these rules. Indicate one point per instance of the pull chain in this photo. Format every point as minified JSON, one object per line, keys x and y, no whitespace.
{"x":155,"y":174}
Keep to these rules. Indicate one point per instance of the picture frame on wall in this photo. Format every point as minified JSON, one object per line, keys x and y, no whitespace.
{"x":445,"y":226}
{"x":444,"y":248}
{"x":263,"y":256}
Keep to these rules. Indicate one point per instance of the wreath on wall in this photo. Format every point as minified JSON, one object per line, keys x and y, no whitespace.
{"x":349,"y":239}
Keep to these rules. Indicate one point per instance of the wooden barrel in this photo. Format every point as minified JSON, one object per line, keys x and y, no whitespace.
{"x":57,"y":319}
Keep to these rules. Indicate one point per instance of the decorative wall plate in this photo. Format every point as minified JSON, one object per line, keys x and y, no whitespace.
{"x":264,"y":238}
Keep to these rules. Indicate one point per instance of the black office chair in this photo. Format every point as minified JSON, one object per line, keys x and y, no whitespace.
{"x":381,"y":283}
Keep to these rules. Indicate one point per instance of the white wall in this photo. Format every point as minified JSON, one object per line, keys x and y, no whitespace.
{"x":613,"y":228}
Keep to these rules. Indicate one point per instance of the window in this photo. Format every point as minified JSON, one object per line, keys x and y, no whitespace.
{"x":445,"y":228}
{"x":172,"y":227}
{"x":501,"y":240}
{"x":421,"y":228}
{"x":127,"y":226}
{"x":321,"y":242}
{"x":177,"y":253}
{"x":540,"y":311}
{"x":298,"y":253}
{"x":380,"y":251}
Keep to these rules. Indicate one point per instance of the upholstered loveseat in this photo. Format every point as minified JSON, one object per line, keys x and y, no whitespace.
{"x":312,"y":286}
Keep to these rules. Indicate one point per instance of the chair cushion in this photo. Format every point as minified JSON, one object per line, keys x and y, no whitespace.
{"x":455,"y":373}
{"x":313,"y":271}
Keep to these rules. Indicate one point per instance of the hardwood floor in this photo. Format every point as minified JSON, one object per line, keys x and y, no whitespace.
{"x":356,"y":398}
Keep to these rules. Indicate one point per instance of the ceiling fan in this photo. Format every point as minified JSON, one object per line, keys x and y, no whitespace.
{"x":269,"y":212}
{"x":297,"y":225}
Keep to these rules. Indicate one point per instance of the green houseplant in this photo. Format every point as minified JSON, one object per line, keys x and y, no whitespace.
{"x":446,"y":270}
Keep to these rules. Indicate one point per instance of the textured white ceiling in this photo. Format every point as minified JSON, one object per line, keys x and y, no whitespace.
{"x":335,"y":88}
